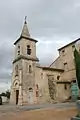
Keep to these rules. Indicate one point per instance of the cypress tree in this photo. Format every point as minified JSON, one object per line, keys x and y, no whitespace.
{"x":77,"y":66}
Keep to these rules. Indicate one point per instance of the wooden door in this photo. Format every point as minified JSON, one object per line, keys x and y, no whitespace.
{"x":17,"y":95}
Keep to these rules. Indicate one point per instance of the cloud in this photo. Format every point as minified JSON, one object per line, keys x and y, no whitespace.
{"x":4,"y":87}
{"x":47,"y":48}
{"x":53,"y":23}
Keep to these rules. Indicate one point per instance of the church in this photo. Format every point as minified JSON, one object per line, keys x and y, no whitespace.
{"x":32,"y":83}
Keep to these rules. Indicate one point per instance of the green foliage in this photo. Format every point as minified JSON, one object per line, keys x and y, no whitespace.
{"x":6,"y":94}
{"x":77,"y":65}
{"x":3,"y":94}
{"x":78,"y":115}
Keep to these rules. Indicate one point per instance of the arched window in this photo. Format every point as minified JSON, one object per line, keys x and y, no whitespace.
{"x":28,"y":50}
{"x":16,"y":84}
{"x":16,"y":70}
{"x":58,"y":77}
{"x":30,"y":69}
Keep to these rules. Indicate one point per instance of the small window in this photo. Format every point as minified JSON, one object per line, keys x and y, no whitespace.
{"x":63,"y":51}
{"x":28,"y":46}
{"x":41,"y":75}
{"x":16,"y":70}
{"x":30,"y":69}
{"x":28,"y":50}
{"x":65,"y":86}
{"x":37,"y":87}
{"x":58,"y":77}
{"x":30,"y":89}
{"x":74,"y":81}
{"x":65,"y":63}
{"x":18,"y":52}
{"x":65,"y":66}
{"x":73,"y":47}
{"x":18,"y":47}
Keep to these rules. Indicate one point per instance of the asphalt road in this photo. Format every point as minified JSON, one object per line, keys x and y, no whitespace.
{"x":4,"y":109}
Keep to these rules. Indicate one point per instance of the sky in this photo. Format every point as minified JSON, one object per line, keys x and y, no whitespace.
{"x":54,"y":23}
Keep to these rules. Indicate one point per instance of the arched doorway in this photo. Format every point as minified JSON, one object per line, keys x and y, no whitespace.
{"x":30,"y":95}
{"x":17,"y":96}
{"x":16,"y":91}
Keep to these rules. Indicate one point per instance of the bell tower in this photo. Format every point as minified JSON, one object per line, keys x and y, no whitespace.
{"x":25,"y":46}
{"x":24,"y":64}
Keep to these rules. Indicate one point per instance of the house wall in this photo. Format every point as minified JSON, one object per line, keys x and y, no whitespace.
{"x":57,"y":64}
{"x":66,"y":61}
{"x":63,"y":93}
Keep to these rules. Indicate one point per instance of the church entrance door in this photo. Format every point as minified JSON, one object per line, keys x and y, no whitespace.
{"x":17,"y":94}
{"x":30,"y":97}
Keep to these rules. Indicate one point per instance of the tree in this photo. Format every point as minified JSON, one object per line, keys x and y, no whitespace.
{"x":3,"y":94}
{"x":77,"y":66}
{"x":8,"y":94}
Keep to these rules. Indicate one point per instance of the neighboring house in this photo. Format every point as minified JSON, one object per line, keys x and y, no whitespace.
{"x":66,"y":62}
{"x":32,"y":83}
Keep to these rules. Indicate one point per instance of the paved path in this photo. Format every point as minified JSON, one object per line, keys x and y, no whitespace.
{"x":5,"y":109}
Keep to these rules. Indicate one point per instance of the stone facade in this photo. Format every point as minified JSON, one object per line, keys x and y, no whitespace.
{"x":32,"y":83}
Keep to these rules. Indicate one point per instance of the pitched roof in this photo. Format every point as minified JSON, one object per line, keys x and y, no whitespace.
{"x":69,"y":44}
{"x":48,"y":68}
{"x":25,"y":31}
{"x":28,"y":38}
{"x":54,"y":61}
{"x":25,"y":34}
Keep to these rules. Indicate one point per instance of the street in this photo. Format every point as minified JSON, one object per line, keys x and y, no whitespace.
{"x":5,"y":109}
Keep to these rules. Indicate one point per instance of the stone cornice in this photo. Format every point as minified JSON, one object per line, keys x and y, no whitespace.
{"x":26,"y":58}
{"x":63,"y":82}
{"x":69,"y":44}
{"x":28,"y":38}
